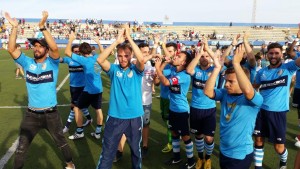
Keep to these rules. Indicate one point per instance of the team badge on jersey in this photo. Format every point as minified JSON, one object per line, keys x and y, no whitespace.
{"x":44,"y":66}
{"x":32,"y":67}
{"x":174,"y":80}
{"x":130,"y":74}
{"x":280,"y":71}
{"x":198,"y":74}
{"x":119,"y":74}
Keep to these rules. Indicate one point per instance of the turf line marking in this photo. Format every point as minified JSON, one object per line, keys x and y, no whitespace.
{"x":13,"y":148}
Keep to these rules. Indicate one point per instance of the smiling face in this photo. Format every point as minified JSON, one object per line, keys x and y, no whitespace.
{"x":124,"y":57}
{"x":275,"y":55}
{"x":204,"y":60}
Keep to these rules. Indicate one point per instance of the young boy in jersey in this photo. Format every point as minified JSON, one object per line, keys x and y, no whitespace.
{"x":240,"y":104}
{"x":125,"y":105}
{"x":178,"y":81}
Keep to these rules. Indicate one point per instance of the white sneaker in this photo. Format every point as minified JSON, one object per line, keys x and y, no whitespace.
{"x":296,"y":138}
{"x":70,"y":167}
{"x":87,"y":122}
{"x":97,"y":136}
{"x":297,"y":144}
{"x":66,"y":129}
{"x":76,"y":136}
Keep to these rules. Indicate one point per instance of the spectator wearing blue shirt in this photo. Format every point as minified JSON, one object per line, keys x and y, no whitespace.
{"x":125,"y":105}
{"x":41,"y":79}
{"x":240,"y":104}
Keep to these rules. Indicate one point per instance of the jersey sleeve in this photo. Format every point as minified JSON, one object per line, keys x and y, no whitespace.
{"x":22,"y":60}
{"x":111,"y":70}
{"x":78,"y":58}
{"x":219,"y":93}
{"x":257,"y":100}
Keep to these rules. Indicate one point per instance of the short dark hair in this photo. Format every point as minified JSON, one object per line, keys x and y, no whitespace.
{"x":274,"y":45}
{"x":74,"y":46}
{"x":188,"y":58}
{"x":231,"y":70}
{"x":172,"y":44}
{"x":142,"y":45}
{"x":85,"y":48}
{"x":124,"y":46}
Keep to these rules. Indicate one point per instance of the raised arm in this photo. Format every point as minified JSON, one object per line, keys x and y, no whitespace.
{"x":68,"y":50}
{"x":190,"y":69}
{"x":96,"y":39}
{"x":159,"y":68}
{"x":211,"y":81}
{"x":138,"y":54}
{"x":242,"y":78}
{"x":164,"y":47}
{"x":227,"y":51}
{"x":102,"y":59}
{"x":249,"y":51}
{"x":53,"y":52}
{"x":12,"y":50}
{"x":155,"y":46}
{"x":290,"y":50}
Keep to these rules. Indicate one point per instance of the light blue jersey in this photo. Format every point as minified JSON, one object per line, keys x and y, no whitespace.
{"x":199,"y":99}
{"x":297,"y":84}
{"x":125,"y":93}
{"x":164,"y":90}
{"x":237,"y":121}
{"x":179,"y":86}
{"x":92,"y":73}
{"x":76,"y":72}
{"x":275,"y":86}
{"x":41,"y":79}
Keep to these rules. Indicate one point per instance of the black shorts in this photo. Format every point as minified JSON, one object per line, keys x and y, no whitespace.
{"x":179,"y":123}
{"x":271,"y":125}
{"x":75,"y":93}
{"x":86,"y":99}
{"x":203,"y":121}
{"x":296,"y":97}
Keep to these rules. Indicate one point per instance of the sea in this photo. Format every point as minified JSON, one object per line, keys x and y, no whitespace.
{"x":35,"y":20}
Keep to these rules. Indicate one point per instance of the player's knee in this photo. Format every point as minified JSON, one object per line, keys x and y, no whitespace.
{"x":279,"y":148}
{"x":209,"y":139}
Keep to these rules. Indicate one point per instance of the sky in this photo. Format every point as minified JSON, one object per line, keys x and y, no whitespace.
{"x":267,"y":11}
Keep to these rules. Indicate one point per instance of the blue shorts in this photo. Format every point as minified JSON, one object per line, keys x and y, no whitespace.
{"x":271,"y":125}
{"x":113,"y":131}
{"x":203,"y":121}
{"x":75,"y":93}
{"x":146,"y":116}
{"x":179,"y":123}
{"x":231,"y":163}
{"x":86,"y":99}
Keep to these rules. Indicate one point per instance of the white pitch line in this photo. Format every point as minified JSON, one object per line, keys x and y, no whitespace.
{"x":13,"y":148}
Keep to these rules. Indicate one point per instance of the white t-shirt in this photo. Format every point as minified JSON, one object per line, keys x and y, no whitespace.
{"x":147,"y":82}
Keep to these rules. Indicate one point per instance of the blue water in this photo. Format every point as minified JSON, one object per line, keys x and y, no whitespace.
{"x":184,"y":23}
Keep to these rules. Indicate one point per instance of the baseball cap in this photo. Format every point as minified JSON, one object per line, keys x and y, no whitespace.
{"x":40,"y":41}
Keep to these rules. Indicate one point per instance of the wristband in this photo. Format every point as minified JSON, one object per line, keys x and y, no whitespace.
{"x":43,"y":29}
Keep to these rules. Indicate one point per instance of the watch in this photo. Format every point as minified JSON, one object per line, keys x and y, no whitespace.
{"x":43,"y":29}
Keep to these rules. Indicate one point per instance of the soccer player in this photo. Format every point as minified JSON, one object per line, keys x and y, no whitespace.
{"x":170,"y":50}
{"x":41,"y":78}
{"x":202,"y":109}
{"x":125,"y":105}
{"x":239,"y":106}
{"x":92,"y":92}
{"x":274,"y":82}
{"x":178,"y":81}
{"x":77,"y":82}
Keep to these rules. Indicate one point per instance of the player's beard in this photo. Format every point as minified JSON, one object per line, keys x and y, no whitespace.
{"x":276,"y":62}
{"x":39,"y":55}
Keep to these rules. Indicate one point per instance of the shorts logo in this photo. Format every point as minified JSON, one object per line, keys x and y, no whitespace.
{"x":32,"y":67}
{"x":256,"y":132}
{"x":193,"y":131}
{"x":278,"y":139}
